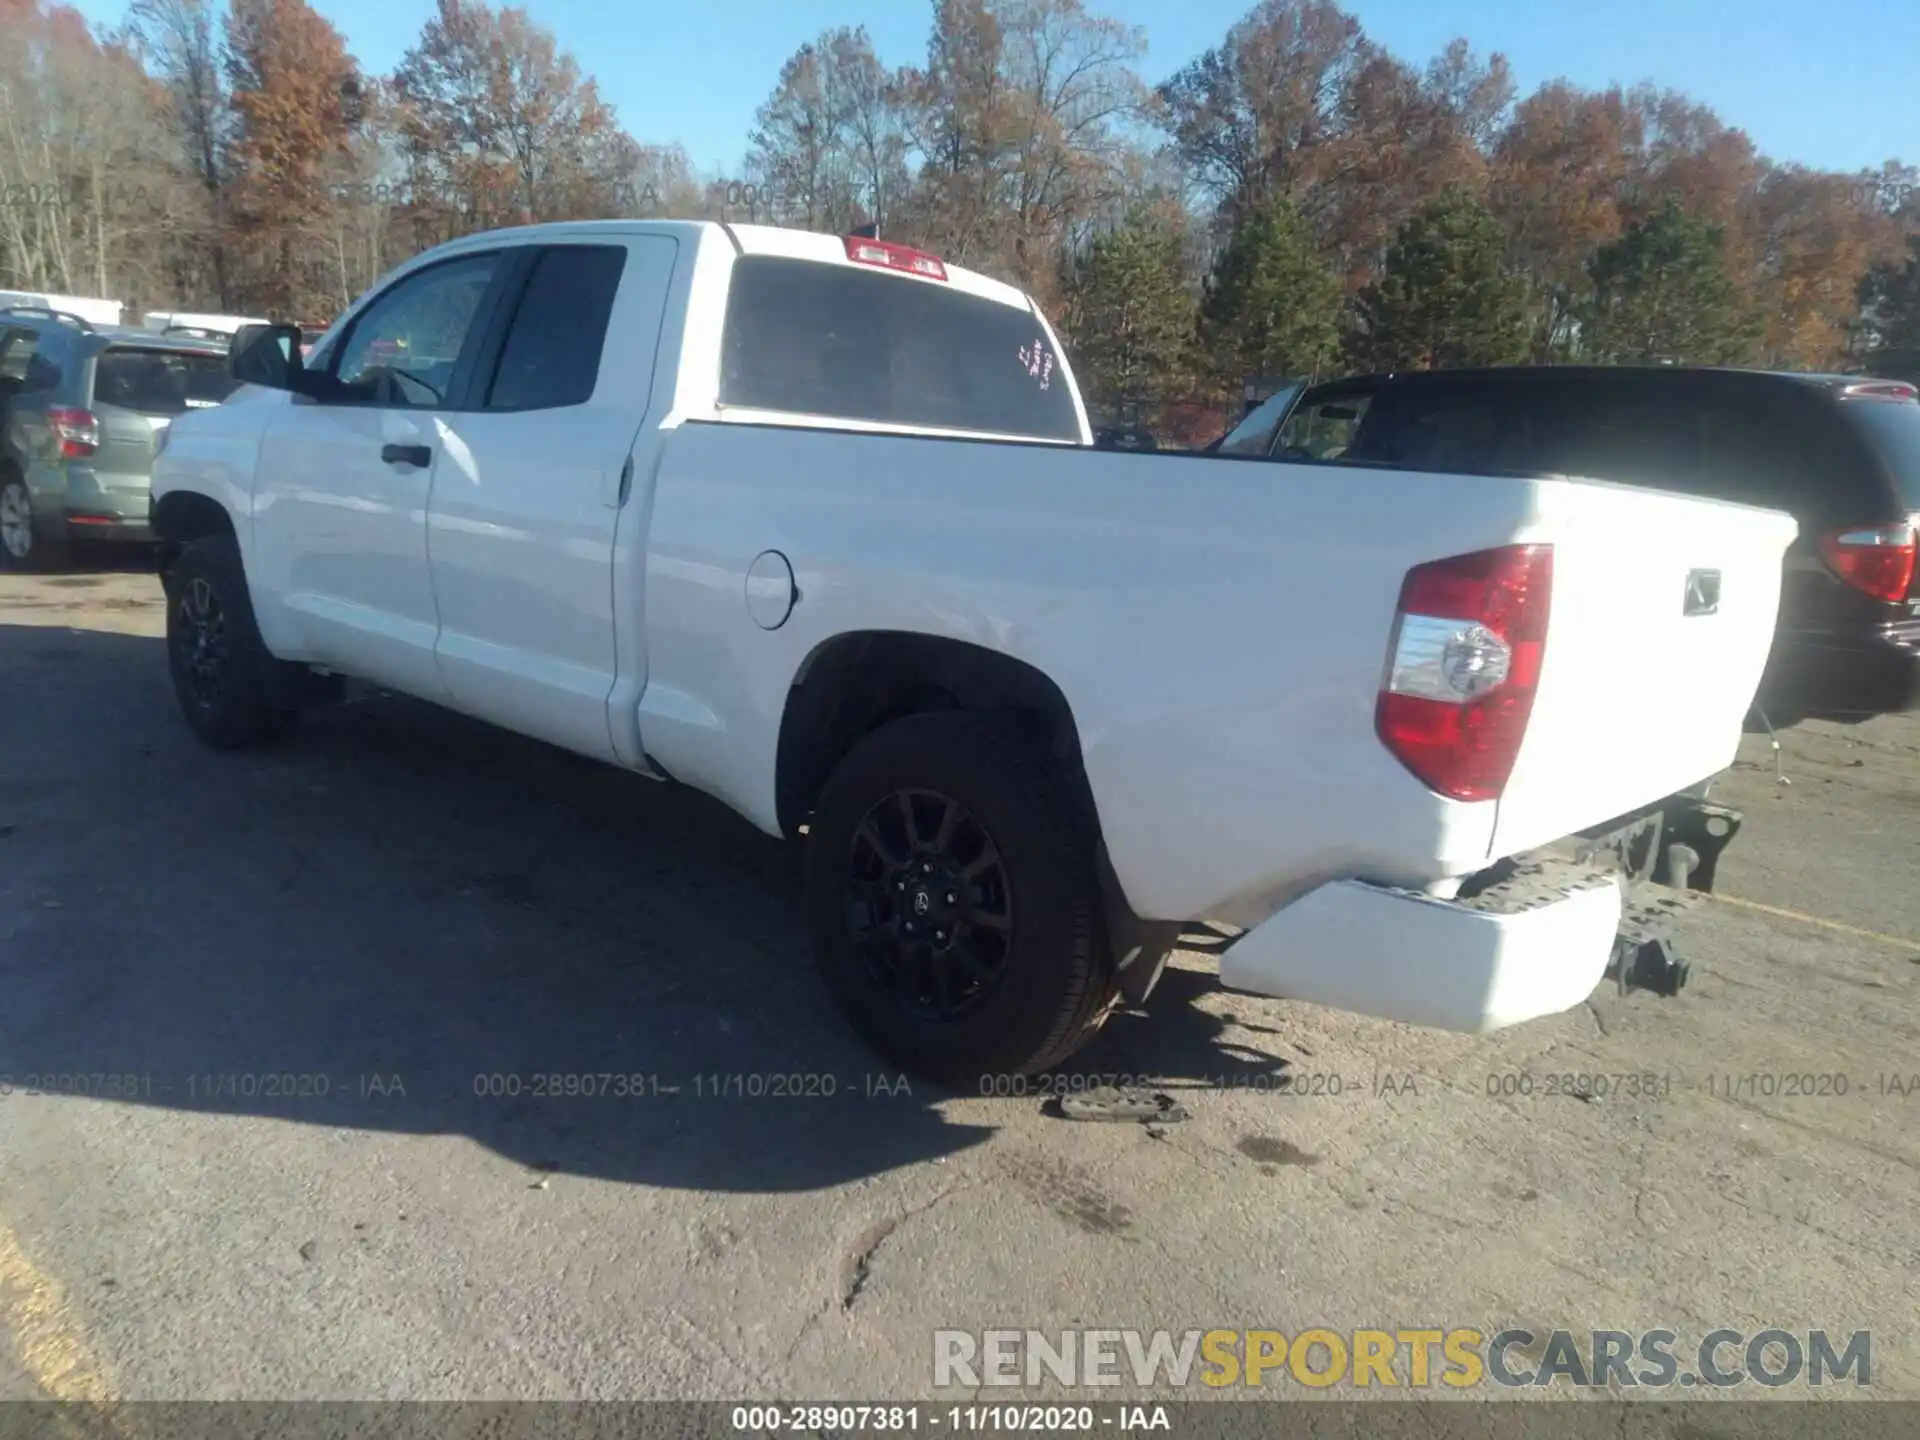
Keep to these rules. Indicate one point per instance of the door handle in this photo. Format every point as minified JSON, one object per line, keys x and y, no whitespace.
{"x":407,"y":455}
{"x":615,"y":490}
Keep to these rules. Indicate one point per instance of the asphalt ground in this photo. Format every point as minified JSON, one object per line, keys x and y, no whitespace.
{"x":308,"y":966}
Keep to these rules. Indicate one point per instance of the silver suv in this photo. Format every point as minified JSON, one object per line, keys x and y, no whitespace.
{"x":80,"y":409}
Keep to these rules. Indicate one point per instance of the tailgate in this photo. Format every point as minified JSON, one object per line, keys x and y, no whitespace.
{"x":126,"y":445}
{"x":1661,"y":618}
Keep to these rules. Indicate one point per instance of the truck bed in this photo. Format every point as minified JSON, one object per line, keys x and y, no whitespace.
{"x":1219,"y":631}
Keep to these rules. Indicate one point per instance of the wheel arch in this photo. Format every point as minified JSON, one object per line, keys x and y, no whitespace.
{"x":182,"y":516}
{"x":854,"y":683}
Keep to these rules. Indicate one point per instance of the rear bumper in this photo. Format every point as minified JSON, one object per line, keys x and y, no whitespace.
{"x":1534,"y":945}
{"x":1876,"y":675}
{"x":93,"y":525}
{"x":85,"y":505}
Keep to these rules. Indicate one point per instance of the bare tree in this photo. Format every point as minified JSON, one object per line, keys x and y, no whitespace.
{"x":181,"y":43}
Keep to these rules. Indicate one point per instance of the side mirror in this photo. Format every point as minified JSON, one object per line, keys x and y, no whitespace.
{"x":267,"y":355}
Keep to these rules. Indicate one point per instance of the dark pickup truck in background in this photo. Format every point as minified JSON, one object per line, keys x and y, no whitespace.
{"x":1840,"y":453}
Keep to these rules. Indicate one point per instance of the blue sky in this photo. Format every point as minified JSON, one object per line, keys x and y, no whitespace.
{"x":1833,"y":86}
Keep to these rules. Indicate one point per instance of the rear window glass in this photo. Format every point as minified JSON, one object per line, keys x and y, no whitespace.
{"x":840,"y":341}
{"x":1892,"y":428}
{"x":160,"y":382}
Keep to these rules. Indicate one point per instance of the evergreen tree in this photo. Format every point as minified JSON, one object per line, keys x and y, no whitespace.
{"x":1272,"y":306}
{"x":1130,"y":314}
{"x":1447,"y":297}
{"x":1890,"y":295}
{"x":1661,"y":292}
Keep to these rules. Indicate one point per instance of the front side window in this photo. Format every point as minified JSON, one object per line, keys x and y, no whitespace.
{"x":1323,"y":429}
{"x":849,"y":342}
{"x":1254,"y":434}
{"x":403,"y":349}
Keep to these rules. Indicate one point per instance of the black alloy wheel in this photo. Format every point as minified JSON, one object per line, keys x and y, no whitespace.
{"x":930,"y":907}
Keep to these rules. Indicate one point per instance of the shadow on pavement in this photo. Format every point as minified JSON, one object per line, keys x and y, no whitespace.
{"x":403,"y":918}
{"x":90,"y":559}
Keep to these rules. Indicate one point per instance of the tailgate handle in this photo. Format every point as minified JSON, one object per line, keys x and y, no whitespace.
{"x":1703,"y":593}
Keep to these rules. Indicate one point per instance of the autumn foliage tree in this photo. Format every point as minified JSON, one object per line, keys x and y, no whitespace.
{"x":294,"y":91}
{"x":90,"y":196}
{"x":228,"y":154}
{"x":1560,"y":170}
{"x":498,"y":126}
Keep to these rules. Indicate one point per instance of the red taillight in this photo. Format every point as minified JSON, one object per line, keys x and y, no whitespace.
{"x":1882,"y":390}
{"x":77,"y":432}
{"x":1467,"y":647}
{"x":1876,"y":560}
{"x":895,"y":257}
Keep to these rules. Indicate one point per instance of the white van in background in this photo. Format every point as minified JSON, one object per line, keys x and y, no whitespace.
{"x":202,"y":325}
{"x":90,"y":309}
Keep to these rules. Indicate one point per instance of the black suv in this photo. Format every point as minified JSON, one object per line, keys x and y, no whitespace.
{"x":81,"y":408}
{"x":1840,"y":453}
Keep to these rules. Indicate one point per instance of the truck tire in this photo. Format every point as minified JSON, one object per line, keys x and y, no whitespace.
{"x":23,"y":544}
{"x":954,"y":903}
{"x":231,"y":689}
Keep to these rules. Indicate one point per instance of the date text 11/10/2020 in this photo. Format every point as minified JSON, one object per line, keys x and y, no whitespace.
{"x":625,"y":198}
{"x":205,"y":1085}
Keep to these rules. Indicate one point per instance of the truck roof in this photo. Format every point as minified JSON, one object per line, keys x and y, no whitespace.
{"x":746,"y":240}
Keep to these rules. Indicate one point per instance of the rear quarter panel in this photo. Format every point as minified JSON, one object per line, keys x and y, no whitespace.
{"x":1219,"y":629}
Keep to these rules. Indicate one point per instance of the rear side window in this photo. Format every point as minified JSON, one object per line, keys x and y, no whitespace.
{"x":1323,"y":429}
{"x":1782,"y":451}
{"x":160,"y":382}
{"x":1891,"y":429}
{"x":1460,"y":430}
{"x":552,"y":353}
{"x":840,"y":341}
{"x":1634,"y":439}
{"x":25,"y":367}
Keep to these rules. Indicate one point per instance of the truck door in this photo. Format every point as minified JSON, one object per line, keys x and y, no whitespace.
{"x":533,"y":475}
{"x":339,"y":521}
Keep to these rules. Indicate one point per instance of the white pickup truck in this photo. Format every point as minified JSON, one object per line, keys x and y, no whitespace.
{"x":816,"y":525}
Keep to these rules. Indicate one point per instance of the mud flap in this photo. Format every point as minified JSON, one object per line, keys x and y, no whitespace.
{"x":1139,"y":948}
